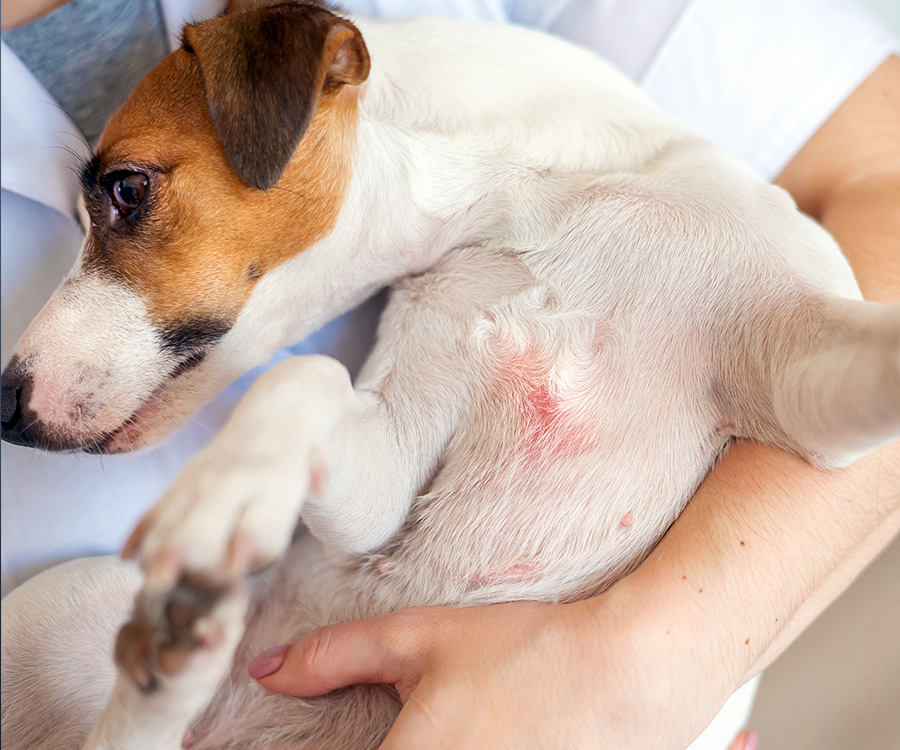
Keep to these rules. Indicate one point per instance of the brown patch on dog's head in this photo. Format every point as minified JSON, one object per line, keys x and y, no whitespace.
{"x":233,"y":155}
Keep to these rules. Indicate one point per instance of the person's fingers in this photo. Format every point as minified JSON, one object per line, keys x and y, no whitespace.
{"x":745,"y":741}
{"x":372,"y":651}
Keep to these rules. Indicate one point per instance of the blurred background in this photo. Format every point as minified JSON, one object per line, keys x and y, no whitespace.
{"x":838,"y":686}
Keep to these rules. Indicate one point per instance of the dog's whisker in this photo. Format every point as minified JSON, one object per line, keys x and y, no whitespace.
{"x":200,"y":424}
{"x":288,"y":190}
{"x":72,"y":152}
{"x":31,"y":424}
{"x":80,"y":425}
{"x":126,"y":433}
{"x":77,"y":132}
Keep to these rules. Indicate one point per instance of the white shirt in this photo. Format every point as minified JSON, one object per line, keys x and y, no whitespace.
{"x":757,"y":77}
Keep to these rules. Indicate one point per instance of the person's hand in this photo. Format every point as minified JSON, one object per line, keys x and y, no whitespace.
{"x":515,"y":676}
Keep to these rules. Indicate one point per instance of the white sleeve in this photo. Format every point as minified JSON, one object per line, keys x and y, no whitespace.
{"x":757,"y":77}
{"x":484,"y":10}
{"x":760,"y":77}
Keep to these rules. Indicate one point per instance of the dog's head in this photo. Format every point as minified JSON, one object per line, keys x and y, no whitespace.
{"x":230,"y":158}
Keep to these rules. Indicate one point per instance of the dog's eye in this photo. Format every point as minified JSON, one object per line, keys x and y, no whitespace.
{"x":129,"y":190}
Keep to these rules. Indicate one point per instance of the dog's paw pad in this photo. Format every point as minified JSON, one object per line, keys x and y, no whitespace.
{"x":170,"y":628}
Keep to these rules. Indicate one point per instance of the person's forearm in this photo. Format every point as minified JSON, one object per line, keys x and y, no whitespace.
{"x":864,"y":217}
{"x":768,"y":541}
{"x":17,"y":13}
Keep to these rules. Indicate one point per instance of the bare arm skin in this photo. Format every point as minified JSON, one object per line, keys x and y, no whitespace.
{"x":15,"y":13}
{"x":767,"y":542}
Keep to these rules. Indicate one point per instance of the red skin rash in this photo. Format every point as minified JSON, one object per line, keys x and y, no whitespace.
{"x":549,"y":434}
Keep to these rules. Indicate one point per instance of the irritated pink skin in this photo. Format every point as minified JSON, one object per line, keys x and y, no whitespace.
{"x":549,"y":432}
{"x":385,"y":566}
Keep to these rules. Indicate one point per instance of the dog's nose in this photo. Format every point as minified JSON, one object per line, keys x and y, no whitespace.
{"x":13,"y":388}
{"x":9,"y":410}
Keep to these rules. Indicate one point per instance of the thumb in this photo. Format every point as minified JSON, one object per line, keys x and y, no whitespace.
{"x":333,"y":657}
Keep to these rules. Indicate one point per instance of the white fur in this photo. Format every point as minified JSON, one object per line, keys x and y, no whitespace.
{"x":94,"y":356}
{"x":588,"y":301}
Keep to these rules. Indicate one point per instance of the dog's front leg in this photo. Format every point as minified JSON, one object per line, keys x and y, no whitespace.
{"x":302,"y":439}
{"x":236,"y":504}
{"x":233,"y":508}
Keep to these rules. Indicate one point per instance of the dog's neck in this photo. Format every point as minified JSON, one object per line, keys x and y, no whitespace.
{"x":445,"y":158}
{"x":452,"y":154}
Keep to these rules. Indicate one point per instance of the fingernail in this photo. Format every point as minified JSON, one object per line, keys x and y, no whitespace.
{"x":267,"y":662}
{"x":752,"y":741}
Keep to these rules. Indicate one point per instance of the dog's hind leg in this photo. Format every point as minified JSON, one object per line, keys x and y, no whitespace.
{"x":832,"y":372}
{"x":171,"y":656}
{"x":58,"y":629}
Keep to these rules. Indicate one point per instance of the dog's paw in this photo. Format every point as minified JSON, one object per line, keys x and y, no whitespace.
{"x":222,"y":518}
{"x":235,"y":506}
{"x":185,"y":633}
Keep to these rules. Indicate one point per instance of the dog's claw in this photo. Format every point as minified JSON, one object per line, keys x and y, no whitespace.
{"x":169,"y":627}
{"x":133,"y":654}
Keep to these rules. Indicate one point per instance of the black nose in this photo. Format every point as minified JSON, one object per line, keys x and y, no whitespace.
{"x":13,"y":385}
{"x":9,"y":410}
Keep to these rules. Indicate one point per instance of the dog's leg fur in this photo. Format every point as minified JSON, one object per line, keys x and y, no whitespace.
{"x":825,"y":379}
{"x":841,"y":398}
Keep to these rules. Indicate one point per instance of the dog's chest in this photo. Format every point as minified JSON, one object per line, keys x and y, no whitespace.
{"x":576,"y":451}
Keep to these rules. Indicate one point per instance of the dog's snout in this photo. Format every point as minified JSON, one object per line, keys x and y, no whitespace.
{"x":14,"y":386}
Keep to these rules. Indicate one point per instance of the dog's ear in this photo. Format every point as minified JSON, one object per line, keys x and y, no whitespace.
{"x":264,"y":71}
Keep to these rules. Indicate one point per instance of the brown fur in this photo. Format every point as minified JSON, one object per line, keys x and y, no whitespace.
{"x":208,"y":237}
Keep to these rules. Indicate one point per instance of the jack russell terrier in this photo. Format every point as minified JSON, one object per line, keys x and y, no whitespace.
{"x":588,"y":301}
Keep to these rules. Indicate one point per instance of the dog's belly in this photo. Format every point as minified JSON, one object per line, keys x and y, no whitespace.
{"x":592,"y":427}
{"x":550,"y":491}
{"x":558,"y":519}
{"x":559,"y":512}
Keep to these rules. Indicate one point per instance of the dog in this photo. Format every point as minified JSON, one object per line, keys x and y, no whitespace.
{"x":588,"y":301}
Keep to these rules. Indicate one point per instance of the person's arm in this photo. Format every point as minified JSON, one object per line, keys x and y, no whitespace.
{"x":766,"y":543}
{"x":15,"y":13}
